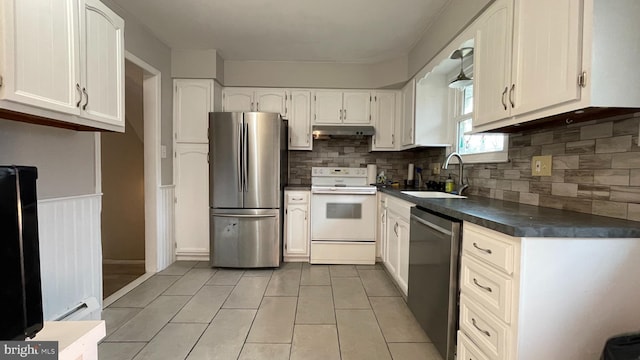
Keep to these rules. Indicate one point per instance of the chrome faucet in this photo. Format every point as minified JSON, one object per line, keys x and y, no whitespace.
{"x":461,"y":185}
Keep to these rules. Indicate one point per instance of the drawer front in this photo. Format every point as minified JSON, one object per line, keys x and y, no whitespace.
{"x":297,"y":197}
{"x":486,"y":245}
{"x":484,"y":329}
{"x":467,"y":350}
{"x":486,"y":286}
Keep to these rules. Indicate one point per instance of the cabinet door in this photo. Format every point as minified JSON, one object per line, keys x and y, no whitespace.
{"x":300,"y":121}
{"x":356,"y":107}
{"x":237,"y":100}
{"x":547,"y":54}
{"x":327,"y":107}
{"x":408,"y":112}
{"x":40,"y":65}
{"x":381,"y":236}
{"x":384,"y":118}
{"x":102,"y":52}
{"x":492,"y":64}
{"x":403,"y":255}
{"x":392,"y":255}
{"x":192,"y":102}
{"x":271,"y":101}
{"x":297,"y":230}
{"x":191,"y":177}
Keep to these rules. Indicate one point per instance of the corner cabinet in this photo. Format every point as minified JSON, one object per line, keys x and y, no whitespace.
{"x":63,"y":62}
{"x":514,"y":293}
{"x":296,"y":226}
{"x":530,"y":65}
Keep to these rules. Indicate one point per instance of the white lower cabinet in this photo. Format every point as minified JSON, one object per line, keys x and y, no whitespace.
{"x":395,"y":239}
{"x":296,"y":226}
{"x":191,"y":177}
{"x":544,"y":298}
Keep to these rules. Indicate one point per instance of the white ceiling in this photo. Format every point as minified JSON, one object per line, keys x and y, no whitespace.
{"x":290,"y":30}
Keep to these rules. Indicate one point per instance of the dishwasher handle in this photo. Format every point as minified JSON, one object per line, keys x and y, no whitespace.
{"x":433,"y":226}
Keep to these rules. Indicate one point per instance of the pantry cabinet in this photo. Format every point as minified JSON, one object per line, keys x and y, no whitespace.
{"x":342,"y":107}
{"x":536,"y":59}
{"x":192,"y":102}
{"x":296,"y":225}
{"x":67,"y":59}
{"x":384,"y":109}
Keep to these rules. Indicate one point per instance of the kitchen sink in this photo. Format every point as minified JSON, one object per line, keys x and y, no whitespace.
{"x":433,"y":195}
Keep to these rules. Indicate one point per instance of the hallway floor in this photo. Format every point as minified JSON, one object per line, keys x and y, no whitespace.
{"x":300,"y":311}
{"x":116,"y":276}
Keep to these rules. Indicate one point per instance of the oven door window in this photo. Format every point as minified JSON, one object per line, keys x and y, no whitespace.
{"x":344,"y":211}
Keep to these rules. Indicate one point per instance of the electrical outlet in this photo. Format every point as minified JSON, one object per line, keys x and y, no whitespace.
{"x":435,"y":169}
{"x":541,"y":165}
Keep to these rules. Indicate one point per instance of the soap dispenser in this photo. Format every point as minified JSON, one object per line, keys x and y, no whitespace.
{"x":448,"y":185}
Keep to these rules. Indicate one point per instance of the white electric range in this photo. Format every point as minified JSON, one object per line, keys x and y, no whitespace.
{"x":343,"y":216}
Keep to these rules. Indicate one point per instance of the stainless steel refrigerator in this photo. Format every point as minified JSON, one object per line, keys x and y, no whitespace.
{"x":247,"y":175}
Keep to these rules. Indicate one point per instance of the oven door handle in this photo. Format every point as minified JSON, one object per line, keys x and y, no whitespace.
{"x":343,"y":192}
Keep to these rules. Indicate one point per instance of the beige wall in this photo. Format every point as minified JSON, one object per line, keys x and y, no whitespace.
{"x":315,"y":74}
{"x":65,"y":158}
{"x":139,"y":41}
{"x":123,"y":179}
{"x":194,"y":64}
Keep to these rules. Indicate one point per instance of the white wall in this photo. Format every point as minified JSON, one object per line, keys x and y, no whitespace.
{"x":194,"y":64}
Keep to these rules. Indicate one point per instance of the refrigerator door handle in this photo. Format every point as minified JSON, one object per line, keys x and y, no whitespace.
{"x":239,"y":157}
{"x":243,"y":216}
{"x":245,"y":157}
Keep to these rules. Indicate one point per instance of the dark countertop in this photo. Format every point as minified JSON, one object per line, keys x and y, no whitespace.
{"x":522,"y":220}
{"x":300,"y":187}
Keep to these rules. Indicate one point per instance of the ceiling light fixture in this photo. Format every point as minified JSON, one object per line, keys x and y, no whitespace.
{"x":462,"y":80}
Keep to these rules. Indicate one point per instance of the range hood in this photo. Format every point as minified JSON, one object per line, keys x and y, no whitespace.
{"x":327,"y":131}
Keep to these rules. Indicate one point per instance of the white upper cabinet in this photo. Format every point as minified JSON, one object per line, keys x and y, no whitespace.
{"x":40,"y":66}
{"x":383,"y":112}
{"x":63,"y":60}
{"x":237,"y":100}
{"x":492,"y":64}
{"x":327,"y":107}
{"x":356,"y":107}
{"x":299,"y":109}
{"x":408,"y":113}
{"x":272,"y":100}
{"x":342,"y":107}
{"x":251,"y":99}
{"x":536,"y":59}
{"x":102,"y":48}
{"x":192,"y":102}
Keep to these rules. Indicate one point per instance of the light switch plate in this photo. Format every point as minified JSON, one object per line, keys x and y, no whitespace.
{"x":541,"y":165}
{"x":163,"y":151}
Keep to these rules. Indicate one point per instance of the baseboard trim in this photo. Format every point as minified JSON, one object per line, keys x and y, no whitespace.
{"x":122,"y":292}
{"x":122,"y":262}
{"x":192,"y":257}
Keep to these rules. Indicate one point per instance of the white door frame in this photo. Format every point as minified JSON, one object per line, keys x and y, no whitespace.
{"x":151,"y":95}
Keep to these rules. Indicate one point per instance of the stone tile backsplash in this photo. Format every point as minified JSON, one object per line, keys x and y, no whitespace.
{"x":595,"y":168}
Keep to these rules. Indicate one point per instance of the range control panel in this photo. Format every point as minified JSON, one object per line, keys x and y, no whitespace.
{"x":339,"y":172}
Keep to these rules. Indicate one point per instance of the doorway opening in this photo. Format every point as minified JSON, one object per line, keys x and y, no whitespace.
{"x":140,"y":193}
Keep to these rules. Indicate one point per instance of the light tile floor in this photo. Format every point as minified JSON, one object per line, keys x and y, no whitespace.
{"x":298,"y":312}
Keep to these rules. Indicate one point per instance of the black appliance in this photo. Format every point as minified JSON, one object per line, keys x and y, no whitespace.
{"x":20,"y":289}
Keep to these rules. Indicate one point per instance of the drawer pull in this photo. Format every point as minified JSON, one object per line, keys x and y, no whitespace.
{"x":488,"y":251}
{"x":482,"y":287}
{"x":297,"y":199}
{"x":473,"y":321}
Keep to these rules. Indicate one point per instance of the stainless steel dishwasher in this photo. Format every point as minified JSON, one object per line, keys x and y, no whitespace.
{"x":434,"y":249}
